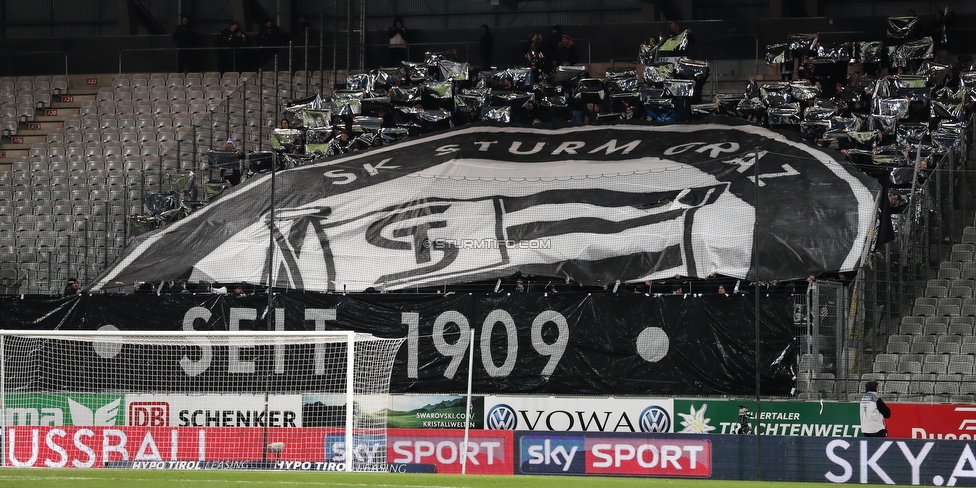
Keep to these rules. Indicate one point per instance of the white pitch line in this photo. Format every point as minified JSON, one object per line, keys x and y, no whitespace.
{"x":303,"y":483}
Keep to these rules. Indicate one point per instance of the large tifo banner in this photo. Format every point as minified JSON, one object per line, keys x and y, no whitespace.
{"x":600,"y":344}
{"x":594,"y":203}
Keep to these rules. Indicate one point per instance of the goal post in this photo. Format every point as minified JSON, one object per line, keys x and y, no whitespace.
{"x":295,"y":400}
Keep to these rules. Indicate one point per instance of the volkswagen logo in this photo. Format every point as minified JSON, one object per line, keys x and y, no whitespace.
{"x":501,"y":417}
{"x":655,"y":419}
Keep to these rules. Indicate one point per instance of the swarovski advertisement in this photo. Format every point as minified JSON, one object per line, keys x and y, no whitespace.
{"x":569,"y":343}
{"x":434,"y":412}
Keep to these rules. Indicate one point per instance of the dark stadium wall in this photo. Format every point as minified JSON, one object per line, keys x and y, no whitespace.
{"x":725,"y":39}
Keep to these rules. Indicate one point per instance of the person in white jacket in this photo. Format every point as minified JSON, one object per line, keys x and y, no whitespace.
{"x":873,"y":412}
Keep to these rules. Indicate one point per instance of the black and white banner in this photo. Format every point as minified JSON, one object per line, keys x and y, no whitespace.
{"x":593,"y":203}
{"x":573,"y":343}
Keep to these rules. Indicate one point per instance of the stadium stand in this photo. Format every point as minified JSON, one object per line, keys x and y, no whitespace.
{"x":83,"y":157}
{"x":87,"y":161}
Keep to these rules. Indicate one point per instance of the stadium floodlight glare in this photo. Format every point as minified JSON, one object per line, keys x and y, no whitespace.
{"x":117,"y":398}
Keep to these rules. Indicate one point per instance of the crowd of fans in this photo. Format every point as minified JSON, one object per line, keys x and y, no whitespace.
{"x":874,"y":100}
{"x":894,"y":105}
{"x":518,"y":283}
{"x":713,"y":284}
{"x":889,"y":102}
{"x":413,"y":97}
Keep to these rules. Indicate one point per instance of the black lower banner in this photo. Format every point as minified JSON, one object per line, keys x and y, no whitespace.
{"x":734,"y":457}
{"x":576,"y":343}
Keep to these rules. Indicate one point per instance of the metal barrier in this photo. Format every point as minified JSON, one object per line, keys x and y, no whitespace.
{"x":247,"y":58}
{"x":850,"y":324}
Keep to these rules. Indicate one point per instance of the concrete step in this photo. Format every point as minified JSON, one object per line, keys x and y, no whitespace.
{"x":49,"y":122}
{"x":73,"y":100}
{"x":23,"y":138}
{"x":20,"y":146}
{"x":40,"y":127}
{"x":89,"y":83}
{"x":8,"y":156}
{"x":56,"y":114}
{"x":76,"y":100}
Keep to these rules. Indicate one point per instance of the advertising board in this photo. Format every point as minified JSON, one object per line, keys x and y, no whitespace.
{"x":86,"y":447}
{"x":611,"y":454}
{"x":213,"y":410}
{"x":79,"y":409}
{"x":926,"y":421}
{"x":819,"y":419}
{"x":577,"y":414}
{"x":488,"y":452}
{"x":434,"y":412}
{"x":305,"y":449}
{"x":869,"y":461}
{"x":734,"y":457}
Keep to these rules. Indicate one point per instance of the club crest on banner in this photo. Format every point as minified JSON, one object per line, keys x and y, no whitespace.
{"x":595,"y":203}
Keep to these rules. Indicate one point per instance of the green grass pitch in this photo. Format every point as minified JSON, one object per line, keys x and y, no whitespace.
{"x":113,"y":478}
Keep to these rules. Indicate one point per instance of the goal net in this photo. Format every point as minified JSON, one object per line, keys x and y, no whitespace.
{"x":195,"y":400}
